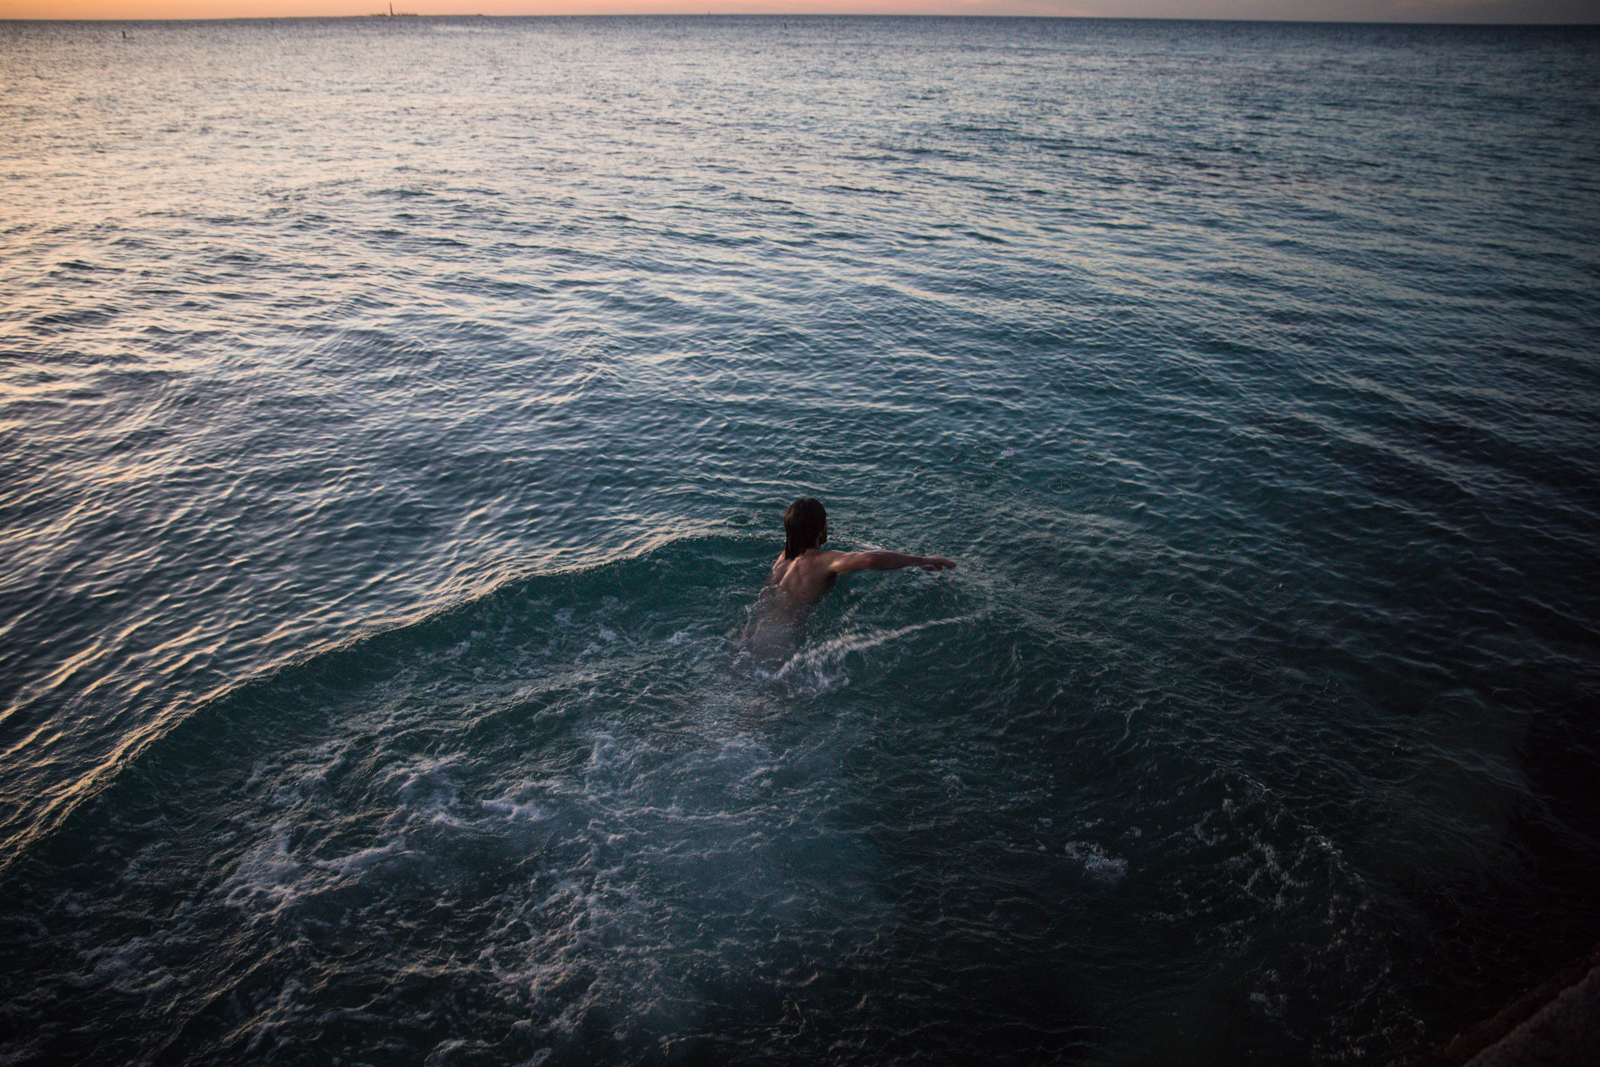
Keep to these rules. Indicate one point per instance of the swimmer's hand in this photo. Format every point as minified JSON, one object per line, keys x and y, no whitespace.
{"x":934,"y":564}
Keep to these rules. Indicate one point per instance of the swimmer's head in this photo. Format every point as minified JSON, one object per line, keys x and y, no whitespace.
{"x":805,"y":525}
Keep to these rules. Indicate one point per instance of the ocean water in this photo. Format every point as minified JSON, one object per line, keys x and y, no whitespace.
{"x":396,"y":418}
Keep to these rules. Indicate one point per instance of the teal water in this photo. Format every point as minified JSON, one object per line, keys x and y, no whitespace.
{"x":396,"y":418}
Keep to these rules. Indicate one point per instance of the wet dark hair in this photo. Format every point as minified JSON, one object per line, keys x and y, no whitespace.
{"x":803,"y":524}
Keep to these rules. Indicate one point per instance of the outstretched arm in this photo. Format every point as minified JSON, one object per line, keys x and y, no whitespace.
{"x":848,"y":562}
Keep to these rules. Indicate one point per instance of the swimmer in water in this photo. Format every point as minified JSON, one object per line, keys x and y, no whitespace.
{"x":804,"y":572}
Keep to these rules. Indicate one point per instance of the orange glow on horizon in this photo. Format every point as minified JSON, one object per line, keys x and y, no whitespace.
{"x":1551,"y":12}
{"x":143,"y":10}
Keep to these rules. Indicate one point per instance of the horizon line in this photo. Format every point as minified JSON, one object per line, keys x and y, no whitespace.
{"x":833,"y":15}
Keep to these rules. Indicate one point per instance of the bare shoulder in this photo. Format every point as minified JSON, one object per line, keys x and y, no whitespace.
{"x":806,"y":577}
{"x":786,"y":571}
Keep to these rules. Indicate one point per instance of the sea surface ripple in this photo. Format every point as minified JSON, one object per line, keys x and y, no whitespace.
{"x":395,"y":420}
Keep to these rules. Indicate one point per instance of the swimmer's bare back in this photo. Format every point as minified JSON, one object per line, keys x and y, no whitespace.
{"x":812,"y":573}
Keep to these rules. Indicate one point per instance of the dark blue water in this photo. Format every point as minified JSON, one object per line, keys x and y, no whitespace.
{"x":396,"y":418}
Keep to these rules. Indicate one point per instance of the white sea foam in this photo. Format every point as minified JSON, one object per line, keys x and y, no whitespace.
{"x":515,"y":810}
{"x":1102,"y":868}
{"x":428,"y":782}
{"x":129,"y":967}
{"x":267,"y":877}
{"x":820,"y":663}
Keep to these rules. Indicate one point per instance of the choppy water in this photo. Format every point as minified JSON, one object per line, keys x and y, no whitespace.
{"x":395,"y":421}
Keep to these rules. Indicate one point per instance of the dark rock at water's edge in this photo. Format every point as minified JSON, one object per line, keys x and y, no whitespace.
{"x":1554,"y":1025}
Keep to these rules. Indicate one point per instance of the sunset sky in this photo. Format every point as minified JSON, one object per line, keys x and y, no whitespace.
{"x":1490,"y":11}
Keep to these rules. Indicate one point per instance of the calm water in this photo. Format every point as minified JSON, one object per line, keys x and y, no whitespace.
{"x":396,"y":418}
